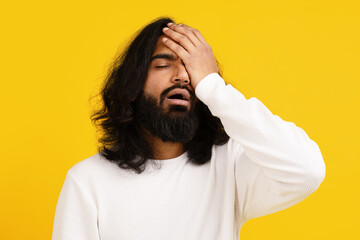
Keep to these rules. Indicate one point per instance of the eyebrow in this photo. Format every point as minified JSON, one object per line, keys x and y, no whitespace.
{"x":163,"y":56}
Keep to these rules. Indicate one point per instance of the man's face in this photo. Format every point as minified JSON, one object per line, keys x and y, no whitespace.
{"x":166,"y":74}
{"x":167,"y":107}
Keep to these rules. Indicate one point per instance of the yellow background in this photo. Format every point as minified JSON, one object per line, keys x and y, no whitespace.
{"x":300,"y":58}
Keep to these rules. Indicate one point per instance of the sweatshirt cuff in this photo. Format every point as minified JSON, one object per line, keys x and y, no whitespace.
{"x":206,"y":86}
{"x":219,"y":96}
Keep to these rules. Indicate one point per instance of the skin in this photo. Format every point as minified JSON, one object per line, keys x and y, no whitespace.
{"x":170,"y":73}
{"x":191,"y":47}
{"x":193,"y":60}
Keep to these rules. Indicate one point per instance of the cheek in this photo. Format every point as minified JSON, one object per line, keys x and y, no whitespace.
{"x":152,"y":88}
{"x":149,"y":83}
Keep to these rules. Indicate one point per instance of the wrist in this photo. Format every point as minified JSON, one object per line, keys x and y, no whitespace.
{"x":197,"y":80}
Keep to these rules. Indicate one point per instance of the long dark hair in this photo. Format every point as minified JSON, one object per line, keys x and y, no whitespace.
{"x":122,"y":141}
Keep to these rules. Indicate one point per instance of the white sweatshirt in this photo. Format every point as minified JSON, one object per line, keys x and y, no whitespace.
{"x":268,"y":165}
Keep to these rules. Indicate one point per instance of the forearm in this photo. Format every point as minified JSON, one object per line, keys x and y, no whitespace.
{"x":284,"y":151}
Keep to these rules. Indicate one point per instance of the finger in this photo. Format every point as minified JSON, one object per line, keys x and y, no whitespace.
{"x":195,"y":32}
{"x":180,"y":38}
{"x":177,"y":49}
{"x":187,"y":31}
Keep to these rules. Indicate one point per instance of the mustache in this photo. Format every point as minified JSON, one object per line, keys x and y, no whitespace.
{"x":178,"y":85}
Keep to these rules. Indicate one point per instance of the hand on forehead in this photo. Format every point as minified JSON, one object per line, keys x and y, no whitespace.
{"x":185,"y":35}
{"x":188,"y":43}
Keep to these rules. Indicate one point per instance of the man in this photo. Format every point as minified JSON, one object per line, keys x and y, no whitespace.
{"x":183,"y":155}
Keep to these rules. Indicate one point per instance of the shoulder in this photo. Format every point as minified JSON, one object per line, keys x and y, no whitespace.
{"x":229,"y":151}
{"x":230,"y":148}
{"x":89,"y":164}
{"x":93,"y":167}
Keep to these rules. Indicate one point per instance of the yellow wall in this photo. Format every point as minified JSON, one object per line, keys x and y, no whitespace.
{"x":300,"y":58}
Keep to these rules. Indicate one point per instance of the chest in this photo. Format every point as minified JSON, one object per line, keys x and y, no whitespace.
{"x":163,"y":205}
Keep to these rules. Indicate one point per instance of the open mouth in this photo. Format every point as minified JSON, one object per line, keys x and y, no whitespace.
{"x":180,"y":94}
{"x":179,"y":97}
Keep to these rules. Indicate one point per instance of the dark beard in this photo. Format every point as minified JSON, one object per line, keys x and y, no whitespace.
{"x":177,"y":125}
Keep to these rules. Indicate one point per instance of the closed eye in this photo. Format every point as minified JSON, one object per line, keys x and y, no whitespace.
{"x":161,"y":66}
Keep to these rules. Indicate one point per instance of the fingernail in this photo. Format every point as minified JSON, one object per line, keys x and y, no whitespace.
{"x":166,"y":28}
{"x":170,"y":23}
{"x":164,"y":39}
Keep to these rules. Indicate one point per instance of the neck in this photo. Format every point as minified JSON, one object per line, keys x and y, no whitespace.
{"x":164,"y":150}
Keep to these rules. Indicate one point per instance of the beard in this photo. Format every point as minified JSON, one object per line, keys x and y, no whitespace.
{"x":177,"y":124}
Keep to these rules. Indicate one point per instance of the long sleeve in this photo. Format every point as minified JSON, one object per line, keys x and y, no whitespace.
{"x":276,"y":164}
{"x":76,"y":212}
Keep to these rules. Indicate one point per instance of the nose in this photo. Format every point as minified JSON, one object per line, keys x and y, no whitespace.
{"x":181,"y":75}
